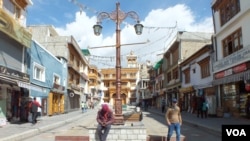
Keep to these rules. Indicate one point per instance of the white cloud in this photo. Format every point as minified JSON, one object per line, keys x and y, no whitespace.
{"x":82,"y":30}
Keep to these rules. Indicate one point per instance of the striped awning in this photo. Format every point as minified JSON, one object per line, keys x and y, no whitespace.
{"x":233,"y":78}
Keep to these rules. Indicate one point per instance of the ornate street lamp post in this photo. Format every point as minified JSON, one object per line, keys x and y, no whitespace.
{"x":118,"y":16}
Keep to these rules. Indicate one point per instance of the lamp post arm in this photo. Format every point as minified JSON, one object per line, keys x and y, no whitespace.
{"x":133,"y":15}
{"x":101,"y":16}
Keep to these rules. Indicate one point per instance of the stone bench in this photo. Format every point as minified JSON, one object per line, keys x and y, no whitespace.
{"x":128,"y":131}
{"x":132,"y":116}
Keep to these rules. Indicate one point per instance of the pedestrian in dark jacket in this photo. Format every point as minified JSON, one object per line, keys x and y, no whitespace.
{"x":163,"y":105}
{"x":199,"y":106}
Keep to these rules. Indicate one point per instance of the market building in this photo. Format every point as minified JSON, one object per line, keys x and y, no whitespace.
{"x":197,"y":77}
{"x":66,"y":48}
{"x":14,"y":42}
{"x":232,"y":55}
{"x":47,"y":74}
{"x":183,"y":46}
{"x":129,"y":77}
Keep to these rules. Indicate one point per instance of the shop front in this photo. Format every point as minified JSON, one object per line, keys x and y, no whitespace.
{"x":233,"y":87}
{"x":73,"y":100}
{"x":210,"y":97}
{"x":56,"y":100}
{"x":186,"y":98}
{"x":13,"y":98}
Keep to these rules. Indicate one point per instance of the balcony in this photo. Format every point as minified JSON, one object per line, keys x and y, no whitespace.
{"x":74,"y":86}
{"x":73,"y":65}
{"x":12,"y":28}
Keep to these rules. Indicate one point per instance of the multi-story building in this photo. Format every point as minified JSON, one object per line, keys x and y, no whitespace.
{"x":46,"y":79}
{"x":94,"y":85}
{"x":151,"y":86}
{"x":65,"y":48}
{"x":182,"y":47}
{"x":143,"y":93}
{"x":159,"y":90}
{"x":14,"y":41}
{"x":232,"y":54}
{"x":197,"y":77}
{"x":129,"y":77}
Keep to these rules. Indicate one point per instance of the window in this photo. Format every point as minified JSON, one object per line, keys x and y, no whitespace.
{"x":175,"y":73}
{"x":124,"y":75}
{"x":205,"y":67}
{"x":168,"y":61}
{"x":39,"y":72}
{"x":71,"y":57}
{"x":78,"y":81}
{"x":232,"y":43}
{"x":106,"y":84}
{"x":175,"y":56}
{"x":56,"y":79}
{"x":228,"y":9}
{"x":187,"y":75}
{"x":71,"y":77}
{"x":132,"y":74}
{"x":106,"y":75}
{"x":12,"y":9}
{"x":169,"y":77}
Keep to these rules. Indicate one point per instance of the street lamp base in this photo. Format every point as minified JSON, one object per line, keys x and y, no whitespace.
{"x":118,"y":117}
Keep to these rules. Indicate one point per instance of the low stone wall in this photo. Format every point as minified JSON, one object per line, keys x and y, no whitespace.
{"x":130,"y":131}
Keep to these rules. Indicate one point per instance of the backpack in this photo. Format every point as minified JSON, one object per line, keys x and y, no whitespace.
{"x":204,"y":106}
{"x":33,"y":107}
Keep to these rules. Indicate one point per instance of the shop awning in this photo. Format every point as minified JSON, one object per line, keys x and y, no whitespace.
{"x":7,"y":80}
{"x":158,"y":64}
{"x":186,"y":89}
{"x":233,"y":78}
{"x":85,"y":52}
{"x":30,"y":86}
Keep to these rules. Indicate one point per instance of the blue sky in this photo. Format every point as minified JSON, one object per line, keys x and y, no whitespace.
{"x":157,"y":16}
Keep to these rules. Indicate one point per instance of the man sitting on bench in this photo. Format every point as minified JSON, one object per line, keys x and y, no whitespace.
{"x":104,"y":118}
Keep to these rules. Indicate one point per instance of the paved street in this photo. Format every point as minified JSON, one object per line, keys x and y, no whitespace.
{"x":76,"y":123}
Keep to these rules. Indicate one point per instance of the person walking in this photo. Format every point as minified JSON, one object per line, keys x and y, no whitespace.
{"x":199,"y":107}
{"x":204,"y":108}
{"x":174,"y":120}
{"x":34,"y":110}
{"x":163,"y":105}
{"x":104,"y":118}
{"x":84,"y":107}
